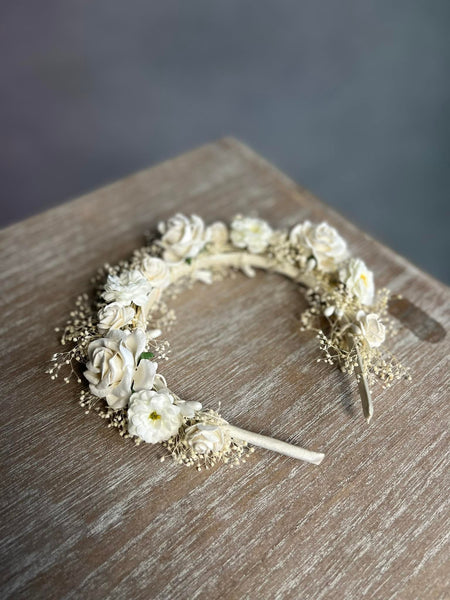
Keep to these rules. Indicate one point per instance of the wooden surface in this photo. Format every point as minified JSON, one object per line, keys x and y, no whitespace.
{"x":86,"y":514}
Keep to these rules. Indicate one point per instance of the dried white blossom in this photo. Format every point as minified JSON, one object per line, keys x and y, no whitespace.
{"x":358,"y":280}
{"x":113,"y":367}
{"x":250,"y":233}
{"x":153,"y":416}
{"x":322,"y":241}
{"x":206,"y":438}
{"x":128,"y":287}
{"x":114,"y":316}
{"x":372,"y":329}
{"x":156,"y":271}
{"x":183,"y":237}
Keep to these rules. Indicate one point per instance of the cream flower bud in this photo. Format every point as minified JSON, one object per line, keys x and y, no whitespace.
{"x":152,"y":334}
{"x":311,"y":264}
{"x":114,"y":316}
{"x":329,"y":310}
{"x":217,"y":234}
{"x":188,"y":408}
{"x":206,"y":438}
{"x":203,"y":275}
{"x":373,"y":330}
{"x":253,"y":234}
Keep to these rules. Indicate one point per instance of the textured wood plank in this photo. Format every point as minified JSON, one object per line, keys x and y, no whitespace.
{"x":86,"y":514}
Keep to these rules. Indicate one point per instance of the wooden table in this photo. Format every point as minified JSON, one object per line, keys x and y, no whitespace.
{"x":86,"y":514}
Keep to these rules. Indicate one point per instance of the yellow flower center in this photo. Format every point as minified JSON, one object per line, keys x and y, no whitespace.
{"x":154,"y":416}
{"x":364,"y":278}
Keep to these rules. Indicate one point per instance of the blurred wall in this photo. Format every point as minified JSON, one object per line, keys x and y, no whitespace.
{"x":350,"y":98}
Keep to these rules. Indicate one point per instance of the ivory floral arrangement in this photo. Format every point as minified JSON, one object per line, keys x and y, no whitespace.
{"x":117,"y":336}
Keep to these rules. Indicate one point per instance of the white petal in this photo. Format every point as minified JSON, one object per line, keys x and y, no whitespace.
{"x":329,"y":310}
{"x":203,"y":275}
{"x":188,"y":409}
{"x":160,"y":382}
{"x":144,"y":375}
{"x":248,"y":270}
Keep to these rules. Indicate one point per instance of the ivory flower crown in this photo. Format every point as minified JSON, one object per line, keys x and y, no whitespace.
{"x":117,"y":336}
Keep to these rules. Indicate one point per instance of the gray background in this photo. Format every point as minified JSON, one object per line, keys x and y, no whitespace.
{"x":350,"y":98}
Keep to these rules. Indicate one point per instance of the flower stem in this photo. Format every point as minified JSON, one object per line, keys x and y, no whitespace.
{"x":363,"y":386}
{"x":263,"y":441}
{"x":239,"y":260}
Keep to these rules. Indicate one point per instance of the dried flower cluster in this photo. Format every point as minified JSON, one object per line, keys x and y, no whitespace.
{"x":115,"y":337}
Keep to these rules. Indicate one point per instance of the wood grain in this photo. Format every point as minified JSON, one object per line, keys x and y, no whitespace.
{"x":86,"y":514}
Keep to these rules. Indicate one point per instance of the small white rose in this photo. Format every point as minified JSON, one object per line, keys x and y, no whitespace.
{"x":128,"y":287}
{"x":183,"y":237}
{"x":373,"y":330}
{"x":153,"y":416}
{"x":206,"y":438}
{"x":217,"y":234}
{"x":156,"y":272}
{"x":322,"y":241}
{"x":253,"y":234}
{"x":358,"y":280}
{"x":113,"y":367}
{"x":114,"y":316}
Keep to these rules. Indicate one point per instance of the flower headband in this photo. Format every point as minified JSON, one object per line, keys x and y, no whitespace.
{"x":117,"y":336}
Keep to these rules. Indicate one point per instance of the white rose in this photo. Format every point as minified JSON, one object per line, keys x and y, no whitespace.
{"x":114,"y":316}
{"x":130,"y":286}
{"x":206,"y":438}
{"x":253,"y":234}
{"x":156,"y":271}
{"x":113,"y":366}
{"x":183,"y":237}
{"x":372,"y":329}
{"x":217,"y":234}
{"x":322,"y":241}
{"x":153,"y":416}
{"x":358,"y":280}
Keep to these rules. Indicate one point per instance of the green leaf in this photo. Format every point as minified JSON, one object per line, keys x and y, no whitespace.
{"x":188,"y":260}
{"x":146,"y":355}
